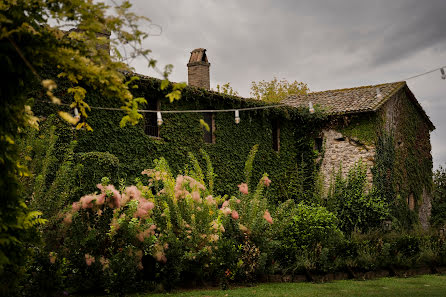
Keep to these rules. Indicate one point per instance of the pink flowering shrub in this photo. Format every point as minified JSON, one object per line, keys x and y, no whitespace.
{"x":172,"y":224}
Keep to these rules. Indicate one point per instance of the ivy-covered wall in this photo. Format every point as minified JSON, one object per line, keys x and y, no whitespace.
{"x":412,"y":170}
{"x":398,"y":135}
{"x":291,"y":169}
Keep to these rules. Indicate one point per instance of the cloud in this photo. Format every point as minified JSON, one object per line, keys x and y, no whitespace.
{"x":327,"y":44}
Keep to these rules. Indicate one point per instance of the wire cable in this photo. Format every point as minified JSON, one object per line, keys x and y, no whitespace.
{"x":430,"y":71}
{"x":217,"y":110}
{"x":177,"y":111}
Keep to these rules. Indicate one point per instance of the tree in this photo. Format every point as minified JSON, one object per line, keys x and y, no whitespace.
{"x":438,"y":217}
{"x":227,"y":89}
{"x":275,"y":91}
{"x":28,"y":44}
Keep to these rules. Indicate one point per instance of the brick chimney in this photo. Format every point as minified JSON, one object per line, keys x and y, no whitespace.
{"x":198,"y":69}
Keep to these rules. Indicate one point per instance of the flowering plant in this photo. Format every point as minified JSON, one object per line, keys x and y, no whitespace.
{"x":175,"y":221}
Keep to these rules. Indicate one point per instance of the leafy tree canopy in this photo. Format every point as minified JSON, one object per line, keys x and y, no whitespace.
{"x":227,"y":89}
{"x":70,"y":36}
{"x":276,"y":90}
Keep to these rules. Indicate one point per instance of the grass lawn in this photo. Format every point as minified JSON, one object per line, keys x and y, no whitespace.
{"x":426,"y":285}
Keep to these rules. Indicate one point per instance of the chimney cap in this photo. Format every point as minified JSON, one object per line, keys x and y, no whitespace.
{"x":198,"y":55}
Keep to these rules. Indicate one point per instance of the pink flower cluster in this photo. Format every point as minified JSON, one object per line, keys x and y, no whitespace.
{"x":217,"y":226}
{"x":130,"y":193}
{"x":146,"y":233}
{"x":104,"y":262}
{"x":159,"y":252}
{"x":113,"y":196}
{"x":243,"y":188}
{"x":108,"y":194}
{"x":68,"y":219}
{"x":234,"y":215}
{"x":155,"y":174}
{"x":138,"y":255}
{"x":267,"y":217}
{"x":182,"y":192}
{"x":210,"y":200}
{"x":143,"y":209}
{"x":89,"y":259}
{"x":113,"y":199}
{"x":266,"y":180}
{"x":227,"y":210}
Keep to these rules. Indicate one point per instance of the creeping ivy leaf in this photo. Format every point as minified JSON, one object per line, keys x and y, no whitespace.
{"x":174,"y":95}
{"x":204,"y":125}
{"x":68,"y":117}
{"x":164,"y":84}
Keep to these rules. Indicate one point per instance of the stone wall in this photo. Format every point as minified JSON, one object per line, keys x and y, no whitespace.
{"x":341,"y":150}
{"x":413,"y":163}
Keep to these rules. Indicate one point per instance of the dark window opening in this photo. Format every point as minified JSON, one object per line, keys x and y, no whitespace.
{"x":209,"y":136}
{"x":318,"y":144}
{"x":150,"y":126}
{"x":276,"y":135}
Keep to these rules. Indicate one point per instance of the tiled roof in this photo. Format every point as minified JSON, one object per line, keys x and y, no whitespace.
{"x":343,"y":101}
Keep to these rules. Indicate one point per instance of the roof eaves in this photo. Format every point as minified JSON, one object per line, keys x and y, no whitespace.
{"x":420,"y":108}
{"x":387,"y":97}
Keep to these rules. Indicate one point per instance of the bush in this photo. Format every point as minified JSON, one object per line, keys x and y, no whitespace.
{"x":355,"y":208}
{"x":438,"y":216}
{"x":309,"y":226}
{"x":304,"y":228}
{"x":94,"y":166}
{"x":166,"y":231}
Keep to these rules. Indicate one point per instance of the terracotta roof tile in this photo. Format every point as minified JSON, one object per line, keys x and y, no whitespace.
{"x":343,"y":101}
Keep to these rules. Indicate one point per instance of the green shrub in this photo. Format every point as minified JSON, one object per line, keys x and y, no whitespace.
{"x":438,"y":216}
{"x":165,"y":230}
{"x":310,"y":225}
{"x":94,"y":166}
{"x":304,"y":229}
{"x":355,"y":208}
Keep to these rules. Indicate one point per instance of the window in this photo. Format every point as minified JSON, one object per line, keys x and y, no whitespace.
{"x":276,"y":135}
{"x":318,"y":144}
{"x":150,"y":126}
{"x":209,"y":136}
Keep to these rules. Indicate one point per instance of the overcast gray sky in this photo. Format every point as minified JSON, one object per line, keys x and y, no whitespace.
{"x":326,"y":44}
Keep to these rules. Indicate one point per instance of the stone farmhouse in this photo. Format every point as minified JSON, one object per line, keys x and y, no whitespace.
{"x":358,"y":116}
{"x":382,"y":125}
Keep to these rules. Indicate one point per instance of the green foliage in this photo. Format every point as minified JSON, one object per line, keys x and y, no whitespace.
{"x":275,"y":91}
{"x":182,"y":133}
{"x":356,"y":209}
{"x":169,"y":231}
{"x":412,"y":171}
{"x":383,"y":177}
{"x":57,"y":174}
{"x":303,"y":229}
{"x":95,"y":165}
{"x":305,"y":185}
{"x":210,"y":175}
{"x":28,"y":44}
{"x":311,"y":225}
{"x":403,"y":164}
{"x":249,"y":162}
{"x":363,"y":128}
{"x":438,"y":217}
{"x":227,"y":89}
{"x":169,"y":228}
